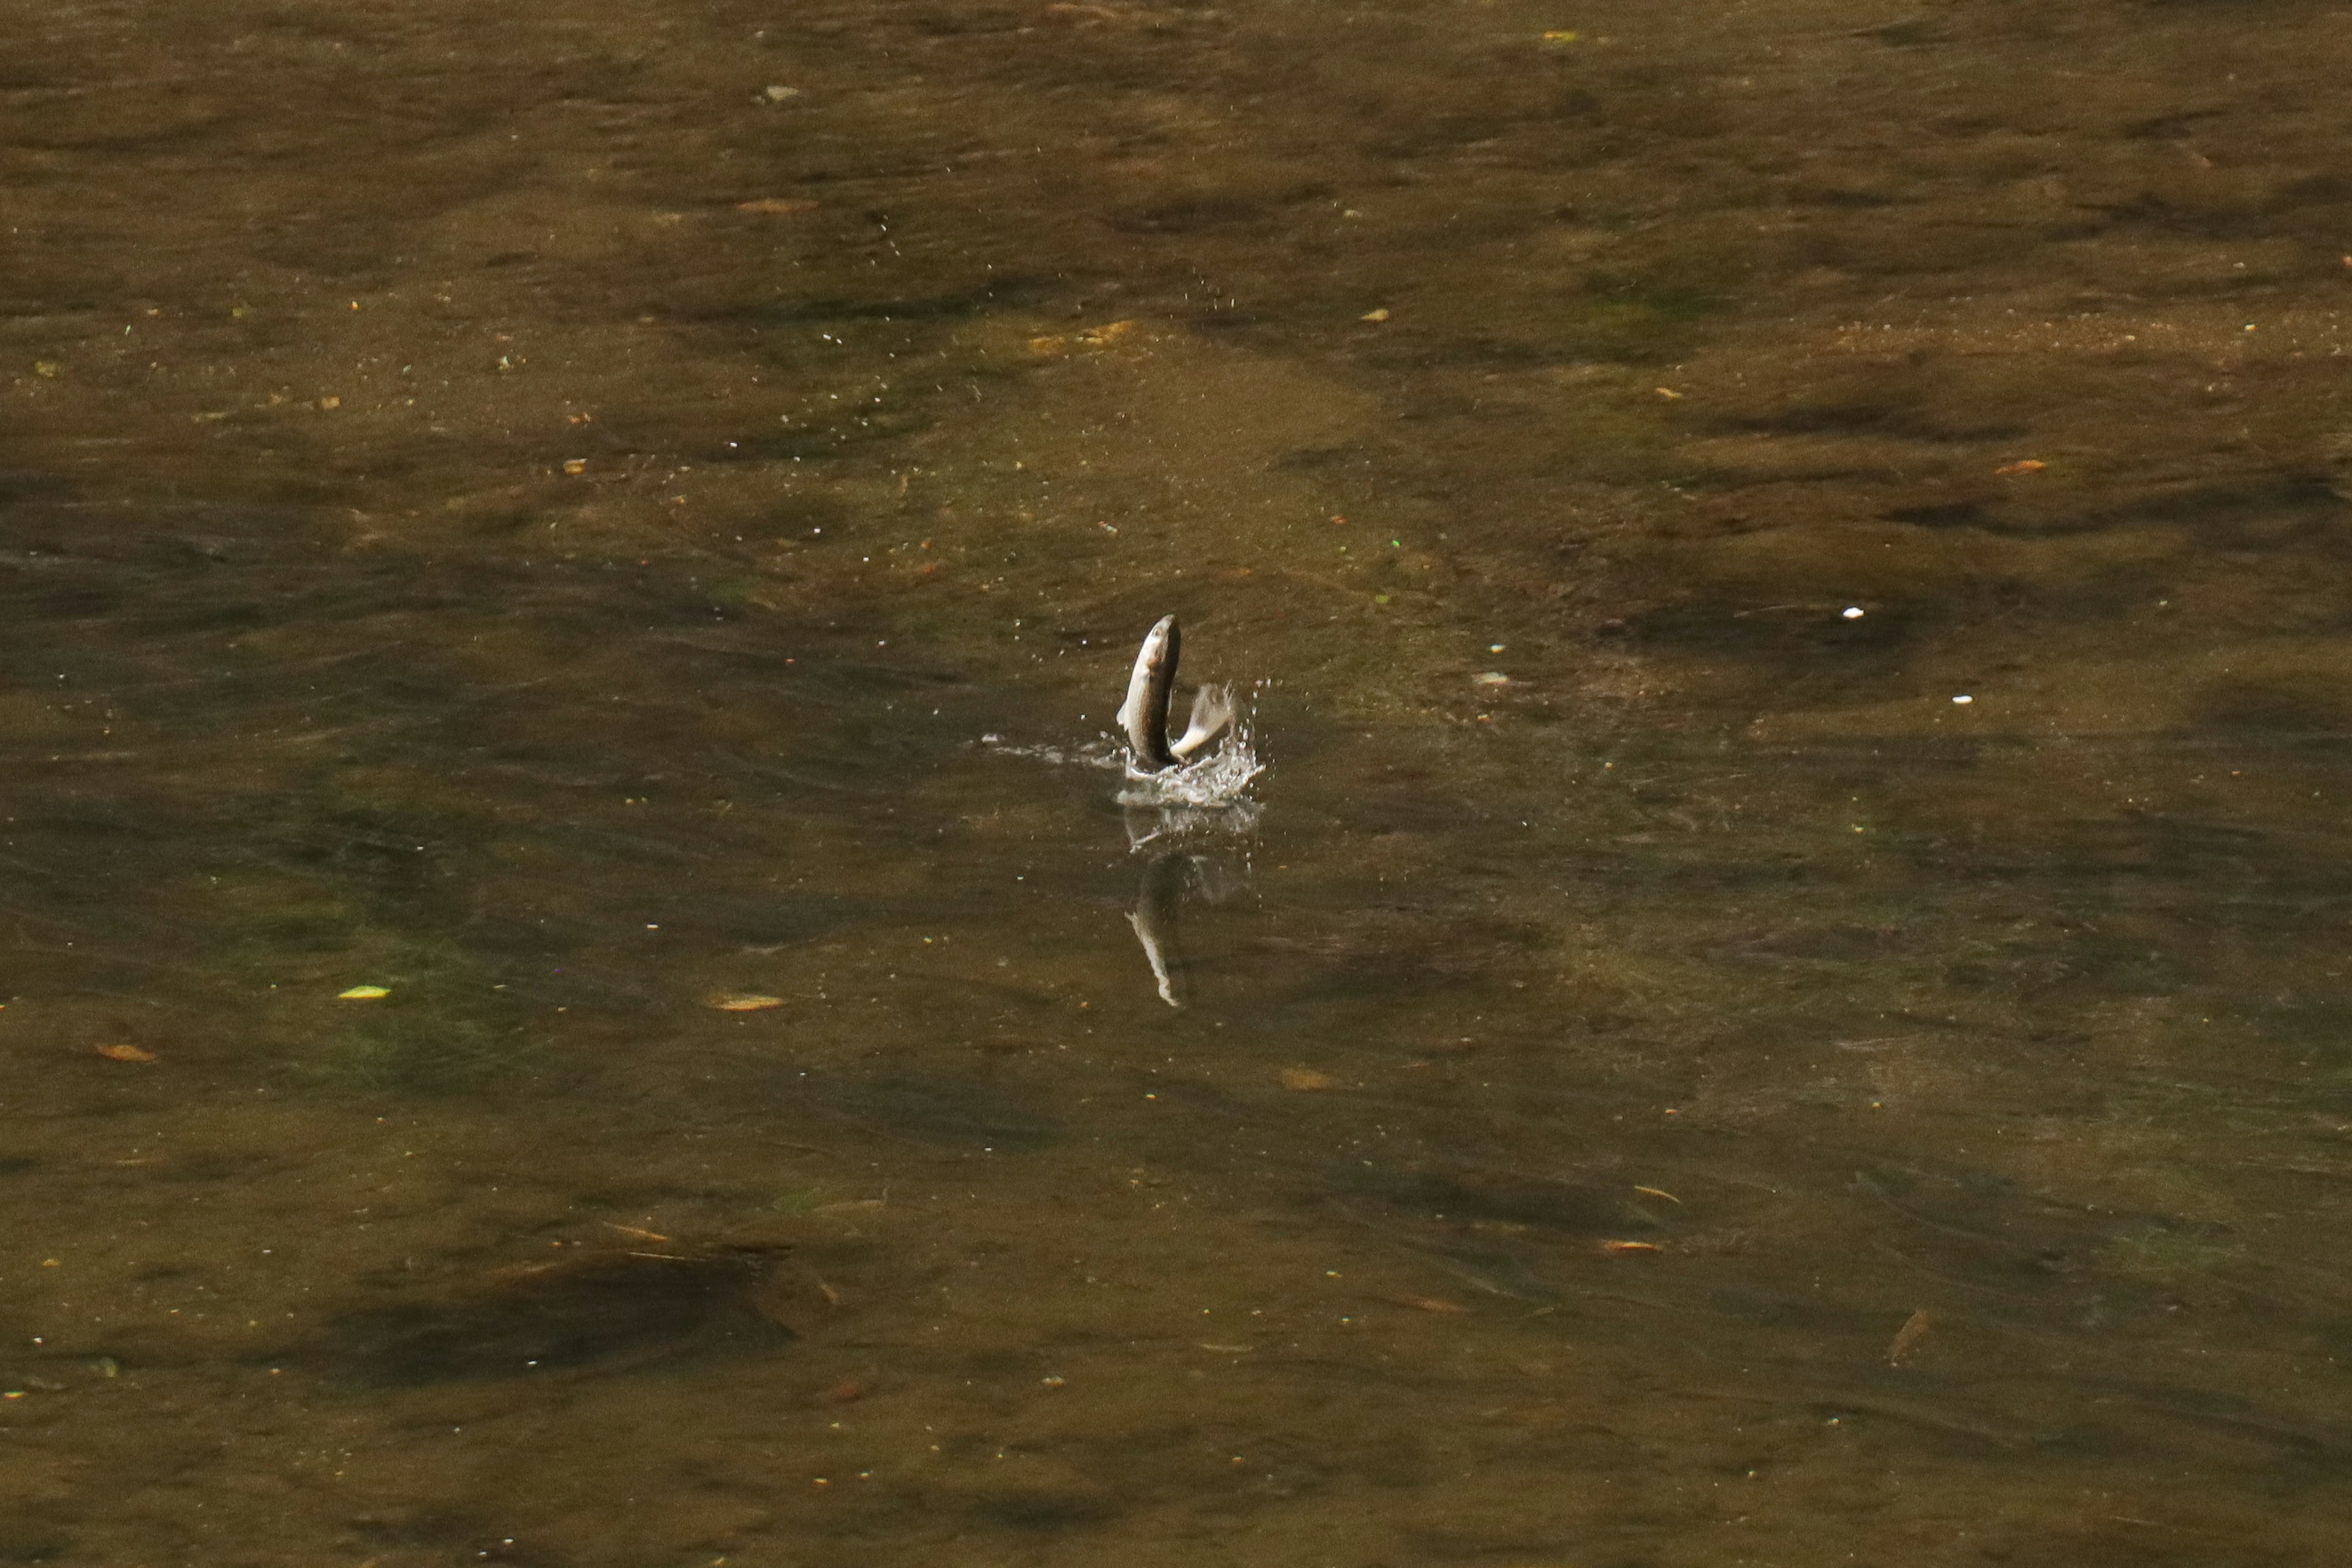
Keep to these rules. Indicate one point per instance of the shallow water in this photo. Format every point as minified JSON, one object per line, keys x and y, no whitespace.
{"x":540,"y":515}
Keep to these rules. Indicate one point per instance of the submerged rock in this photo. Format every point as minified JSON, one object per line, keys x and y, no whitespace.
{"x":606,"y":1310}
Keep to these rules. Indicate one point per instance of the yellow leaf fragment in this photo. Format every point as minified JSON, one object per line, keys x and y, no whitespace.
{"x":744,"y":1002}
{"x":125,"y":1054}
{"x":1307,"y":1080}
{"x":575,"y":465}
{"x":776,"y":206}
{"x":362,"y":993}
{"x":1380,"y":315}
{"x":1099,"y":337}
{"x":331,"y":403}
{"x":1631,"y":1246}
{"x":1915,"y":1329}
{"x":1561,"y":36}
{"x":1669,"y":393}
{"x":1659,"y":1193}
{"x":2023,"y":466}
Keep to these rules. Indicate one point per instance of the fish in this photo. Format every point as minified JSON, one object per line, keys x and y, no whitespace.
{"x":1150,"y":687}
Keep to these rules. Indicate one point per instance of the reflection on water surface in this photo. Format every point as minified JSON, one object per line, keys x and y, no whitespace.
{"x":538,"y":515}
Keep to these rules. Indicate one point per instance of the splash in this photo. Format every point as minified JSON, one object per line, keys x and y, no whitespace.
{"x":1100,"y":753}
{"x":1215,"y":782}
{"x":1206,"y":798}
{"x":1218,"y":781}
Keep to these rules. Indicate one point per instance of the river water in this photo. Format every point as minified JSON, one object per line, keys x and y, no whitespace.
{"x":573,"y":996}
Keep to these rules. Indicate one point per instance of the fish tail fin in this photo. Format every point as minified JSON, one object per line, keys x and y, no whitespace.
{"x":1212,"y":715}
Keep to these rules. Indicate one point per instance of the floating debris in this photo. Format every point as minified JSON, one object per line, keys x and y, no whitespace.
{"x":362,"y":993}
{"x":1307,"y":1080}
{"x":1100,"y":337}
{"x":126,"y":1054}
{"x":744,"y":1002}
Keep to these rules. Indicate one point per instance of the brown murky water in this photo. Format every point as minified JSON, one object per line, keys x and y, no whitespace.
{"x":537,"y":514}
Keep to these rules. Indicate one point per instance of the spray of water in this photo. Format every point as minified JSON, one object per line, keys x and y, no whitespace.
{"x":1218,"y":781}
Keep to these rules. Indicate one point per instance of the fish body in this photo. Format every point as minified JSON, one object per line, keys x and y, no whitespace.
{"x":1144,"y":714}
{"x":1149,"y":688}
{"x":1212,"y":714}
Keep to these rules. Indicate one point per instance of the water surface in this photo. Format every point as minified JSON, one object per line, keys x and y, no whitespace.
{"x":538,"y":514}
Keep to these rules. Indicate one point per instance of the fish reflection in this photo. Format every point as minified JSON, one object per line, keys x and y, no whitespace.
{"x":1174,"y":874}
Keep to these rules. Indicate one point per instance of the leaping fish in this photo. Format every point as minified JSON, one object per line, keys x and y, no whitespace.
{"x":1144,"y":714}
